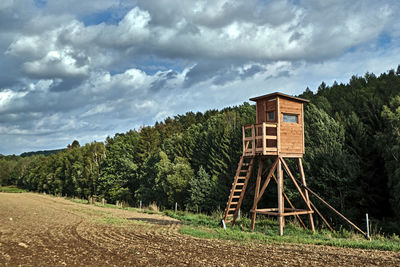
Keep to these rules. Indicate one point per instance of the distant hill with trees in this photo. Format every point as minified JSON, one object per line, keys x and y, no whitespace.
{"x":41,"y":152}
{"x":352,"y":135}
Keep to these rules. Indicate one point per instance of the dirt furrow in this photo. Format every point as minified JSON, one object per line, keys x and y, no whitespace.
{"x":38,"y":230}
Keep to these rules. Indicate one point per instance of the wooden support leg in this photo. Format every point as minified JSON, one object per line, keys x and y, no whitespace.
{"x":303,"y":180}
{"x":280,"y":199}
{"x":283,"y":200}
{"x":291,"y":205}
{"x":256,"y":193}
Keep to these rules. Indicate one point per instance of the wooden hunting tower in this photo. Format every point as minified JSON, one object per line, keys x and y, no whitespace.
{"x":278,"y":134}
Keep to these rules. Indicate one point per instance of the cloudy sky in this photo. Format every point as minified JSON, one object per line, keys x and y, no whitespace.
{"x":86,"y":69}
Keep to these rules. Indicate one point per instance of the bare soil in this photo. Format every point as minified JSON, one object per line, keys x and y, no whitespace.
{"x":39,"y":230}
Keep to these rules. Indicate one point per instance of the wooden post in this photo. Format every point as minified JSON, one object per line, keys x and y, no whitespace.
{"x":303,"y":180}
{"x":258,"y":183}
{"x":264,"y":138}
{"x":253,"y":140}
{"x":278,"y":126}
{"x":290,"y":203}
{"x":243,"y":140}
{"x":280,"y":199}
{"x":283,"y":201}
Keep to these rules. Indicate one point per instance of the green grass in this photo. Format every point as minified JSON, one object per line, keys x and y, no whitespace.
{"x":12,"y":189}
{"x":266,"y":231}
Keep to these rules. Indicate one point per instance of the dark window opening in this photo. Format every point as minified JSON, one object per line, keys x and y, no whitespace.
{"x":270,"y":115}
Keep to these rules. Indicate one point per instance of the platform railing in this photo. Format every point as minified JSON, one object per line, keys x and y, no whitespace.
{"x":256,"y":136}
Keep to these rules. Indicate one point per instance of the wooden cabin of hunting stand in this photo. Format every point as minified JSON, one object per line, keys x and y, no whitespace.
{"x":279,"y":128}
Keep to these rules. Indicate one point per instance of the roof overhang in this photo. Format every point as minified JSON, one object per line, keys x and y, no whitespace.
{"x":277,"y":94}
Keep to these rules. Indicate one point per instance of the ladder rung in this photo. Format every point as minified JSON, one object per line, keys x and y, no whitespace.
{"x":235,"y":196}
{"x":239,"y":183}
{"x":231,"y":209}
{"x":241,"y":177}
{"x":234,"y":203}
{"x":237,"y":190}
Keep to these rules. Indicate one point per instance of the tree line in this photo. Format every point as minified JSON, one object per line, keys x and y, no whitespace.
{"x":352,"y":136}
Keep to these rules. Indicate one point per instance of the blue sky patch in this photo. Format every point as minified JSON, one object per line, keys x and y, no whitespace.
{"x":40,"y":3}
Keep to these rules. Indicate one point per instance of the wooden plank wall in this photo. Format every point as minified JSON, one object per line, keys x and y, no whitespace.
{"x":270,"y":105}
{"x":263,"y":106}
{"x":291,"y":134}
{"x":260,"y":112}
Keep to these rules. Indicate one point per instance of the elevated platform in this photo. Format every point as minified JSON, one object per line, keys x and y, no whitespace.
{"x":263,"y":139}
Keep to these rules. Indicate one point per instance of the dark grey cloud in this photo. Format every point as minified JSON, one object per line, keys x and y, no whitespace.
{"x":251,"y":71}
{"x":162,"y":79}
{"x":202,"y":71}
{"x":221,"y":73}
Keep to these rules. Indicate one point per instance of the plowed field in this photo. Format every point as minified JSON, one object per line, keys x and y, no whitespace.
{"x":42,"y":230}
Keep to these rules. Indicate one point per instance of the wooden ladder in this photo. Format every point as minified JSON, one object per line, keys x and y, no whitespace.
{"x":239,"y":185}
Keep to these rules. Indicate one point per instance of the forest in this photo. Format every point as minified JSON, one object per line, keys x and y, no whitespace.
{"x":352,"y":159}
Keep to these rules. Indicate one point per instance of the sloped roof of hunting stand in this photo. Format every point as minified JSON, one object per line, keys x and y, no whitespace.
{"x":302,"y":100}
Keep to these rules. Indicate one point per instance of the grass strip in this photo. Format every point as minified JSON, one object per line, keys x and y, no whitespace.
{"x":266,"y":231}
{"x":12,"y":189}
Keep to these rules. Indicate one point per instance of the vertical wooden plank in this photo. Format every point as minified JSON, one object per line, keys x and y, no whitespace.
{"x":253,"y":144}
{"x":283,"y":200}
{"x":244,"y":142}
{"x":264,"y":138}
{"x":264,"y":111}
{"x":302,"y":126}
{"x":280,"y":199}
{"x":256,"y":193}
{"x":303,"y":181}
{"x":278,"y":128}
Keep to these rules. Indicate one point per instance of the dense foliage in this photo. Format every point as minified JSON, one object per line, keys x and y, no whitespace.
{"x":352,"y":156}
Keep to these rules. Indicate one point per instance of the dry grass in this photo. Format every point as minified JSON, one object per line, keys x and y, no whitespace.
{"x":153,"y":207}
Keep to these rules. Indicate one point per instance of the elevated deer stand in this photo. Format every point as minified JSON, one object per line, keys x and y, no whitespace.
{"x":278,"y":134}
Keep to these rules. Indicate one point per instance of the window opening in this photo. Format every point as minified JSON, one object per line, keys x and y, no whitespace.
{"x":270,"y":115}
{"x":291,"y":118}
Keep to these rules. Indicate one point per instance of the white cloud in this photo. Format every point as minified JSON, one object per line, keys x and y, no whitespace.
{"x":7,"y":96}
{"x":90,"y":69}
{"x":58,"y":64}
{"x":98,"y":109}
